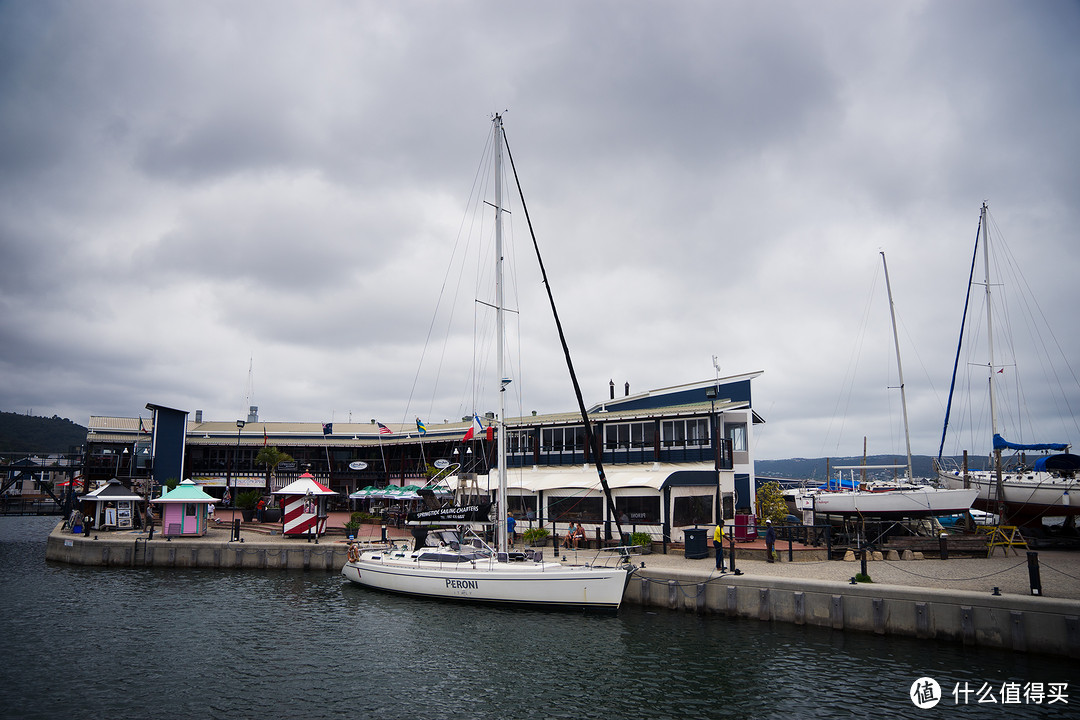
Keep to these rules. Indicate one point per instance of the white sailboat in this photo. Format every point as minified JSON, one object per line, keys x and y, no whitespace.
{"x":454,"y":565}
{"x":895,"y":500}
{"x":1024,"y":493}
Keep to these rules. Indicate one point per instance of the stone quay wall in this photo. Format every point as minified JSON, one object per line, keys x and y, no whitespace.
{"x":1025,"y":624}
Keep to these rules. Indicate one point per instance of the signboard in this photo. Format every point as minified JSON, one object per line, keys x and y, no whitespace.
{"x":481,"y":512}
{"x":442,"y":464}
{"x":358,"y":465}
{"x":256,"y":481}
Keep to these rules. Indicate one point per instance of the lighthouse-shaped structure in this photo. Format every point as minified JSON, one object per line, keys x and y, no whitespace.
{"x":305,"y":506}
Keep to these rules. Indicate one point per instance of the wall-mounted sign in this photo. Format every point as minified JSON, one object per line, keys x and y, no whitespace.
{"x":442,"y":464}
{"x":358,"y":465}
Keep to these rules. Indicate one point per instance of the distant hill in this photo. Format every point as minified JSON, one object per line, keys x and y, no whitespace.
{"x":814,"y":468}
{"x":26,"y":433}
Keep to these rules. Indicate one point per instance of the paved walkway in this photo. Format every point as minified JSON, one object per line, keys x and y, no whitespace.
{"x":1059,"y":570}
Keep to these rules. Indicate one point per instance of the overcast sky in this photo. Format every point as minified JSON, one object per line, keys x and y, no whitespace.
{"x":193,"y":189}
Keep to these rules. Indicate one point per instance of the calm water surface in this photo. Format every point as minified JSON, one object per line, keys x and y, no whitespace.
{"x":118,"y":643}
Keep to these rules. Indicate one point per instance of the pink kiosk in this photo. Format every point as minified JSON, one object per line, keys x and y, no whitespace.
{"x":305,"y":506}
{"x":184,"y":510}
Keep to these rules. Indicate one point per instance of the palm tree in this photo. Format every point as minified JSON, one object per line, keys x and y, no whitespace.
{"x":271,"y":457}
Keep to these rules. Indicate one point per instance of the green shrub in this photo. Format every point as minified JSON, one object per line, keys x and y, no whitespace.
{"x":535,"y":535}
{"x":643,"y":539}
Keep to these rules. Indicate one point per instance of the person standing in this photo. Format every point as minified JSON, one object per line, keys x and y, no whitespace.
{"x":149,"y":521}
{"x":511,"y":523}
{"x":770,"y":540}
{"x":718,"y":543}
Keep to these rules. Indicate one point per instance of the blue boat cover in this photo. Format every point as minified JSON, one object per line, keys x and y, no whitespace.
{"x":839,"y":485}
{"x":1001,"y":443}
{"x":1065,"y":461}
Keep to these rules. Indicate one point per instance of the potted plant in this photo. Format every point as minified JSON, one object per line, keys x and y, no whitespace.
{"x":536,"y":537}
{"x":352,"y":528}
{"x":247,"y":501}
{"x":643,"y":539}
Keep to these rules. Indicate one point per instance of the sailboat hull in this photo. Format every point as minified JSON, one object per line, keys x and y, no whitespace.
{"x":540,"y":584}
{"x":1027,"y":496}
{"x":919,"y":502}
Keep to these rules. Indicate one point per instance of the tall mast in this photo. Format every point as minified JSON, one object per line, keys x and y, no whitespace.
{"x":500,"y":422}
{"x":899,"y":367}
{"x":990,"y":351}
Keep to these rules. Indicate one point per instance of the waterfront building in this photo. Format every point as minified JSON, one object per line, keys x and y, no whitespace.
{"x":675,"y":457}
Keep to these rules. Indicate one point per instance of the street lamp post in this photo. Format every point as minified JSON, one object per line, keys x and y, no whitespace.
{"x":236,"y":467}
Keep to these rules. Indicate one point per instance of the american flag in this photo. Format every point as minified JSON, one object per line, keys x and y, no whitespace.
{"x":383,"y":430}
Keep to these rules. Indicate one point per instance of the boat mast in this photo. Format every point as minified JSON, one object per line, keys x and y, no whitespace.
{"x":899,"y":367}
{"x":990,"y":352}
{"x":500,"y":422}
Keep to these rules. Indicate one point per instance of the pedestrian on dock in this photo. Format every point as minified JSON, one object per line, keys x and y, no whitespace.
{"x":149,"y":524}
{"x":770,"y":540}
{"x":718,"y":543}
{"x":511,"y":523}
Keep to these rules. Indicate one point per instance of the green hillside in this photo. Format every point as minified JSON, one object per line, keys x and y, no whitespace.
{"x":26,"y":433}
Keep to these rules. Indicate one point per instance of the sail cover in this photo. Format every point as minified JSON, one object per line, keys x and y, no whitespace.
{"x":1065,"y":462}
{"x":1001,"y":443}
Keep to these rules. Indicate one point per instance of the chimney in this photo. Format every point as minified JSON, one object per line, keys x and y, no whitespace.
{"x":611,"y":389}
{"x":627,"y":389}
{"x":198,"y":416}
{"x":253,"y":413}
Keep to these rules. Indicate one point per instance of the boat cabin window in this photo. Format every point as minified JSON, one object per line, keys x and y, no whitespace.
{"x":448,"y":557}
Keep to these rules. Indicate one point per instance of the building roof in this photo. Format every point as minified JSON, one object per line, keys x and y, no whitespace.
{"x":187,"y":491}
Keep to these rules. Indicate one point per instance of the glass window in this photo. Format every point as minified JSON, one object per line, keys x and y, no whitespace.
{"x":558,"y":440}
{"x":519,"y":442}
{"x":629,"y":436}
{"x":736,"y":433}
{"x":641,"y":510}
{"x":692,"y":510}
{"x":685,"y":433}
{"x":189,"y":509}
{"x":577,"y":509}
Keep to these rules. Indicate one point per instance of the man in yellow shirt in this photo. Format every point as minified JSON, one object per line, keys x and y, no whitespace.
{"x":718,"y":543}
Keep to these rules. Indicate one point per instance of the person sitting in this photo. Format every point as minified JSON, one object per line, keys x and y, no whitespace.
{"x":577,"y":534}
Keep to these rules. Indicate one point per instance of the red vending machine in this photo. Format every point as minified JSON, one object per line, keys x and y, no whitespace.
{"x":745,"y":528}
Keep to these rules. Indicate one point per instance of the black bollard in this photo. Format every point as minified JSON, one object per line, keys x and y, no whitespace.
{"x":384,"y":532}
{"x":943,"y":545}
{"x":790,"y":548}
{"x":1033,"y":573}
{"x":731,"y":542}
{"x":235,"y":530}
{"x":862,"y":562}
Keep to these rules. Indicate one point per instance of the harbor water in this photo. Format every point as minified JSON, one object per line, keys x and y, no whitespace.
{"x":87,"y":642}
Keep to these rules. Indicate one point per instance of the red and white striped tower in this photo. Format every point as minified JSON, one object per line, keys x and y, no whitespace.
{"x":305,"y":506}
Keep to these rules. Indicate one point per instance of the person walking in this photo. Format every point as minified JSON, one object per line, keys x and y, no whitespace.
{"x":770,"y":540}
{"x":718,"y":543}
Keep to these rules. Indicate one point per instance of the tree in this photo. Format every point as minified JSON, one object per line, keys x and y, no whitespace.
{"x":271,"y":457}
{"x":770,"y":503}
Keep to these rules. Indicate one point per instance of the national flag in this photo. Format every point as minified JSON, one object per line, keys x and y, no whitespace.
{"x":142,"y":428}
{"x":383,"y":430}
{"x":421,"y":427}
{"x":266,"y":438}
{"x":327,"y":428}
{"x":476,"y":427}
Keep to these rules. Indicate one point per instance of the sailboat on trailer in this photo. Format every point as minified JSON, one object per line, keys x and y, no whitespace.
{"x":1024,"y":493}
{"x":458,"y":564}
{"x":893,"y":500}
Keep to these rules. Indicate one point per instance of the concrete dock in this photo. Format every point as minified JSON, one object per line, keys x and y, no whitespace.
{"x":952,"y":600}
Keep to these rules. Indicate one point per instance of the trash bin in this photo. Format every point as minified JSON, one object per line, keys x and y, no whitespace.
{"x":694,"y":540}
